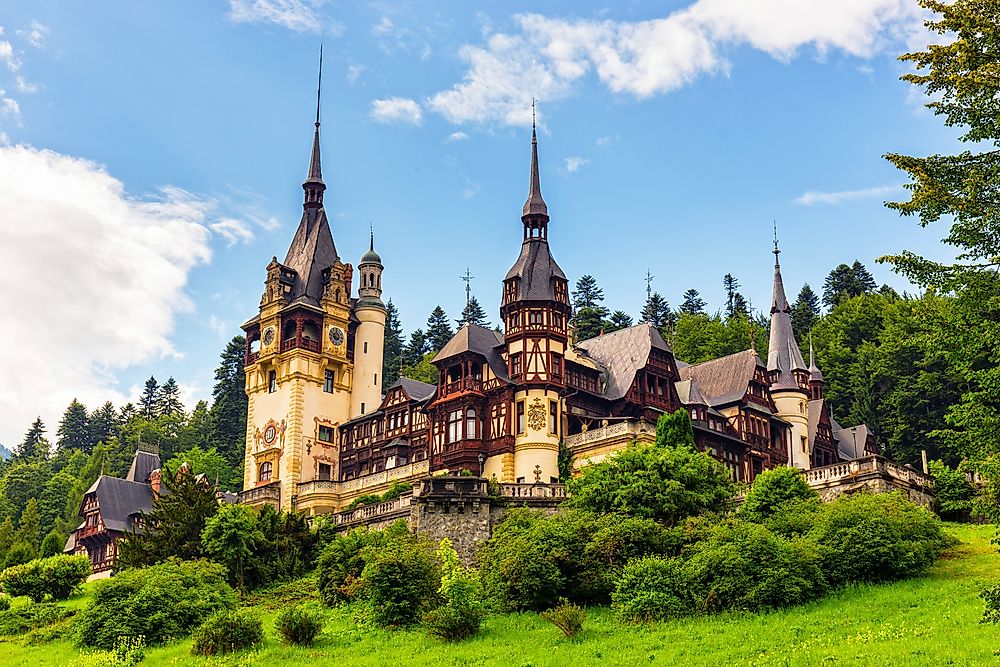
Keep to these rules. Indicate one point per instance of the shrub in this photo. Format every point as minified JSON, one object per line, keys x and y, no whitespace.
{"x":463,"y":610}
{"x":745,"y":566}
{"x":4,"y":602}
{"x":18,"y":554}
{"x":128,"y":652}
{"x":344,"y":557}
{"x":56,"y":577}
{"x":794,"y":518}
{"x":953,"y":493}
{"x":25,"y":618}
{"x":160,"y":602}
{"x":299,"y":625}
{"x":876,"y":537}
{"x":651,"y":589}
{"x":398,"y":582}
{"x":773,"y":489}
{"x":567,"y":617}
{"x":991,"y":596}
{"x":227,"y":631}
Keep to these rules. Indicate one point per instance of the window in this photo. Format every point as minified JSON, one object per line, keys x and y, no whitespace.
{"x":264,"y":472}
{"x":362,"y":408}
{"x":520,"y":416}
{"x":557,"y":320}
{"x":328,"y":377}
{"x":802,"y":407}
{"x":366,"y":347}
{"x":325,"y":434}
{"x":515,"y":364}
{"x":536,"y":317}
{"x":272,"y":382}
{"x":375,"y":381}
{"x":803,"y":442}
{"x":470,"y":423}
{"x":557,"y":370}
{"x":453,"y":433}
{"x":324,"y":470}
{"x":554,"y":417}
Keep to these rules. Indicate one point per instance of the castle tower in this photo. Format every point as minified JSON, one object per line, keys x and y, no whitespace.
{"x":535,"y":311}
{"x":817,"y":387}
{"x":788,"y":373}
{"x":299,"y":373}
{"x":369,"y":338}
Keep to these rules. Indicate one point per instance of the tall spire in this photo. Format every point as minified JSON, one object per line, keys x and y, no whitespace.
{"x":783,"y":355}
{"x":534,"y":205}
{"x":314,"y":185}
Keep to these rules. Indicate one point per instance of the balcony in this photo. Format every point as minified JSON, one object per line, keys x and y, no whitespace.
{"x":252,"y":358}
{"x":623,"y":430}
{"x":391,"y":510}
{"x":466,"y":384}
{"x":89,"y":531}
{"x":533,"y":491}
{"x":302,"y":344}
{"x":872,"y":473}
{"x":261,"y":495}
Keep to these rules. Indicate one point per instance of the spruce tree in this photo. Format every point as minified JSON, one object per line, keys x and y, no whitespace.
{"x":228,"y":413}
{"x":168,"y":399}
{"x":693,"y":304}
{"x":74,"y":429}
{"x":148,"y":402}
{"x":125,"y":416}
{"x":619,"y":320}
{"x":29,"y":527}
{"x":392,"y":346}
{"x":805,"y":311}
{"x":33,"y":446}
{"x":656,"y":311}
{"x":104,"y":423}
{"x":731,"y":285}
{"x":863,"y":278}
{"x":587,"y":294}
{"x":473,"y":313}
{"x":415,"y":349}
{"x":438,"y":330}
{"x":589,"y":317}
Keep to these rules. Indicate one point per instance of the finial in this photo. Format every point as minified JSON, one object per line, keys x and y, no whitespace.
{"x":532,"y":116}
{"x":649,"y":285}
{"x":319,"y":83}
{"x":371,"y":228}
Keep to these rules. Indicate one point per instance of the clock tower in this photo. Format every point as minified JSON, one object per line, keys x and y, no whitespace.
{"x":304,"y":350}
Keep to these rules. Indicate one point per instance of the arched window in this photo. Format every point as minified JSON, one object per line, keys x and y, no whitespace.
{"x":264,"y":472}
{"x":470,"y":423}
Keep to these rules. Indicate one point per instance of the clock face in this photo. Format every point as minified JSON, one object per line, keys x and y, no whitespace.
{"x":268,"y":336}
{"x":336,"y":335}
{"x":270,"y":433}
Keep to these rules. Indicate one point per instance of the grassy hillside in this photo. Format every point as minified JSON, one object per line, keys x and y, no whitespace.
{"x":933,"y":620}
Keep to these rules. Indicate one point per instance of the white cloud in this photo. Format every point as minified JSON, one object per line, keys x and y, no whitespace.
{"x":4,"y":139}
{"x":545,"y":57}
{"x":8,"y":57}
{"x":393,"y":38}
{"x":37,"y":33}
{"x":99,"y":276}
{"x":220,"y":327}
{"x":457,"y":136}
{"x":232,"y":230}
{"x":814,"y":197}
{"x":470,"y":191}
{"x":354,"y":73}
{"x":297,"y":15}
{"x":25,"y":86}
{"x":607,"y":140}
{"x":574,"y":162}
{"x":9,"y":108}
{"x":396,"y":110}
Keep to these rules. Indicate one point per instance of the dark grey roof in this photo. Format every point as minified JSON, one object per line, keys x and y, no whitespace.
{"x":479,"y":340}
{"x":783,"y":353}
{"x":815,"y":412}
{"x":623,"y":353}
{"x":723,"y":380}
{"x":415,"y":389}
{"x":815,"y":374}
{"x":311,"y":252}
{"x":848,"y":438}
{"x":536,"y":268}
{"x":534,"y":205}
{"x":688,"y":393}
{"x":143,"y":463}
{"x":119,"y":499}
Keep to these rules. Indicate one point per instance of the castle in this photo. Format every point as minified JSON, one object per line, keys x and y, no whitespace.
{"x":321,"y":431}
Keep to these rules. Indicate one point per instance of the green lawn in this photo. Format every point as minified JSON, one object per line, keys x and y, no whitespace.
{"x":933,"y":620}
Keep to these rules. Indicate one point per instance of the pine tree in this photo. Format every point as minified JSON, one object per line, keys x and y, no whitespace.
{"x":589,"y":323}
{"x":74,"y":429}
{"x":393,"y":345}
{"x":846,"y":282}
{"x":229,"y":403}
{"x":693,"y":303}
{"x":473,"y":313}
{"x":619,"y":320}
{"x":805,"y":311}
{"x":740,"y":305}
{"x":587,"y":294}
{"x":415,"y":350}
{"x":198,"y":431}
{"x":33,"y":446}
{"x":731,"y":285}
{"x":127,"y":414}
{"x":657,"y":311}
{"x":29,"y":530}
{"x":148,"y":403}
{"x":103,"y":424}
{"x":863,"y":278}
{"x":168,"y":399}
{"x":438,"y":330}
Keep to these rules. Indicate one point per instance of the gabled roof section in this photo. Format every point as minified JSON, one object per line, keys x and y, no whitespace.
{"x":414,"y":389}
{"x":851,"y":440}
{"x":478,"y":340}
{"x":143,"y":463}
{"x":689,"y":394}
{"x":723,"y":380}
{"x":536,"y":268}
{"x":120,"y":499}
{"x":311,"y":252}
{"x":623,"y":353}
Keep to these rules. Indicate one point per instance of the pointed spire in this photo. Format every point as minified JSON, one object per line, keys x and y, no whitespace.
{"x":783,"y":354}
{"x":314,"y":185}
{"x":814,"y":372}
{"x":534,"y":205}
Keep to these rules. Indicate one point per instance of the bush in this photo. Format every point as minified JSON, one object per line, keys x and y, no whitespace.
{"x":396,"y":489}
{"x":794,"y":518}
{"x":463,"y":610}
{"x":991,"y":596}
{"x":876,"y":537}
{"x":747,"y":567}
{"x":25,"y":618}
{"x":56,"y":577}
{"x":344,"y":558}
{"x":128,"y":652}
{"x":618,"y":540}
{"x":227,"y":631}
{"x":18,"y":554}
{"x":773,"y":489}
{"x":398,"y":582}
{"x":651,"y":589}
{"x":160,"y":603}
{"x":567,"y":617}
{"x":4,"y":602}
{"x":299,"y":625}
{"x":953,"y":493}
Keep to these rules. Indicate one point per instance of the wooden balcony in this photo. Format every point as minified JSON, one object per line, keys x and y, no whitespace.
{"x":301,"y":344}
{"x":252,"y":358}
{"x":89,"y":531}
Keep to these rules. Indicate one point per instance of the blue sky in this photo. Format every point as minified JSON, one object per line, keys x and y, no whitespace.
{"x":152,"y":154}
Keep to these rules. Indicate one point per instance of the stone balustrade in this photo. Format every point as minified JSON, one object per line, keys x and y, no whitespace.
{"x":518,"y":491}
{"x":865,"y":466}
{"x":262,"y":494}
{"x":325,"y":486}
{"x":612,"y":430}
{"x":377,"y":512}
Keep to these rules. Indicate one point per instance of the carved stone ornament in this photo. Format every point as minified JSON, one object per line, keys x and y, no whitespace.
{"x":536,"y":415}
{"x":273,"y":434}
{"x":268,"y":336}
